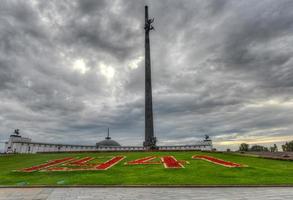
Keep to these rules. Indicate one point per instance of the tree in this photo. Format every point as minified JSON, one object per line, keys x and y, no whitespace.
{"x":288,"y":146}
{"x":258,"y":148}
{"x":244,"y":147}
{"x":274,"y":148}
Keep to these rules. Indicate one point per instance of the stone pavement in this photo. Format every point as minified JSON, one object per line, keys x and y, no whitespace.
{"x":268,"y":193}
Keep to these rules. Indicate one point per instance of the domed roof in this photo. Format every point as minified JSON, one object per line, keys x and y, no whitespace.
{"x":108,"y":142}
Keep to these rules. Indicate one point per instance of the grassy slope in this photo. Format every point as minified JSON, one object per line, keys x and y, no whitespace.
{"x":260,"y":171}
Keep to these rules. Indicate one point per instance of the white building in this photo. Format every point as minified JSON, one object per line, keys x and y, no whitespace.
{"x":19,"y":144}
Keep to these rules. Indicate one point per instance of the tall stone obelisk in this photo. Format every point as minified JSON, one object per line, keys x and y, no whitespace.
{"x":150,"y":140}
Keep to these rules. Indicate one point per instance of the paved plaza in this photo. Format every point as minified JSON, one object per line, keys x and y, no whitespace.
{"x":268,"y":193}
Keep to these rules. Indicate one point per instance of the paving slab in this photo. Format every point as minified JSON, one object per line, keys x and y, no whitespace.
{"x":241,"y":193}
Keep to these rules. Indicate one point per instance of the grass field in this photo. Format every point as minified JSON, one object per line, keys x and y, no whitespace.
{"x":198,"y":172}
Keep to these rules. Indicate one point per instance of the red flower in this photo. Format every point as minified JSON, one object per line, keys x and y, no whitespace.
{"x":171,"y":162}
{"x":81,"y":161}
{"x":110,"y":163}
{"x":143,"y":161}
{"x":218,"y":161}
{"x":46,"y":165}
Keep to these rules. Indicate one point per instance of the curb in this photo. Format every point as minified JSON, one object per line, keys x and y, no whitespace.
{"x":149,"y":186}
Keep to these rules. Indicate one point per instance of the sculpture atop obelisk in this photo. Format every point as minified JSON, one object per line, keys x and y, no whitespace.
{"x":150,"y":140}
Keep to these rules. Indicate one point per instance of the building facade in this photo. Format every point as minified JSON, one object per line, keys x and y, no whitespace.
{"x":19,"y":144}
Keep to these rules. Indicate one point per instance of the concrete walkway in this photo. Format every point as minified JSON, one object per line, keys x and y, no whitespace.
{"x":270,"y":193}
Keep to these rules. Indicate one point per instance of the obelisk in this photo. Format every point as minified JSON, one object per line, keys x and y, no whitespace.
{"x":150,"y":140}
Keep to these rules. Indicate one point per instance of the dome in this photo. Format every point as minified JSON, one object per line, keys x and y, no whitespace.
{"x":108,"y":143}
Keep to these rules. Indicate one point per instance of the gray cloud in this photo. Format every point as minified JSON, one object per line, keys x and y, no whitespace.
{"x":70,"y":69}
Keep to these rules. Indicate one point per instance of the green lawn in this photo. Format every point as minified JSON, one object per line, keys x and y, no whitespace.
{"x":198,"y":172}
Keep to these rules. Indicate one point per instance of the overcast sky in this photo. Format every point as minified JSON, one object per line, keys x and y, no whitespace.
{"x":69,"y":69}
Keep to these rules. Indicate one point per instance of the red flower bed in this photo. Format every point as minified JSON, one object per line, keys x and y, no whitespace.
{"x":110,"y":163}
{"x":66,"y":169}
{"x":46,"y":165}
{"x":143,"y":161}
{"x":88,"y":167}
{"x":81,"y":161}
{"x":218,"y":161}
{"x":56,"y":169}
{"x":171,"y":162}
{"x":81,"y":164}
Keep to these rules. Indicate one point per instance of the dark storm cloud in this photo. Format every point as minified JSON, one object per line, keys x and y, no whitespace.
{"x":70,"y":69}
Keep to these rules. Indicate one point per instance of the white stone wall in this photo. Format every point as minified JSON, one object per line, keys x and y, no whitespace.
{"x":24,"y":145}
{"x":10,"y":145}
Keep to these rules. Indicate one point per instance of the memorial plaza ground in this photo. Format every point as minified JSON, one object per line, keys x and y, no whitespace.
{"x":18,"y":169}
{"x":269,"y":193}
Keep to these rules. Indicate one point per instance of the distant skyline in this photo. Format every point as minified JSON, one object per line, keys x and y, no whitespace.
{"x":70,"y":69}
